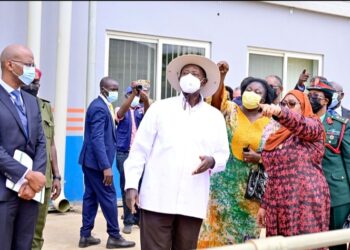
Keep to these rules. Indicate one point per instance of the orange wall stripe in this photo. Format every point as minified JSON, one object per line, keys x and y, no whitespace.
{"x":75,"y":128}
{"x":71,"y":110}
{"x":75,"y":110}
{"x":75,"y":119}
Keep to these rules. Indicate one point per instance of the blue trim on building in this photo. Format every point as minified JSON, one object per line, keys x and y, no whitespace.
{"x":74,"y":184}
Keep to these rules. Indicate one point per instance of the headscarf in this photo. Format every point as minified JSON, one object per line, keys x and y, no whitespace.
{"x":283,"y":133}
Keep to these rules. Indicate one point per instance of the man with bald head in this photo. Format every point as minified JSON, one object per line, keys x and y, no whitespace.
{"x":336,"y":101}
{"x":20,"y":129}
{"x":96,"y":158}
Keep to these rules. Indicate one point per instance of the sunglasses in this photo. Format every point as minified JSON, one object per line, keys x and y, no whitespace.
{"x":315,"y":96}
{"x":290,"y":103}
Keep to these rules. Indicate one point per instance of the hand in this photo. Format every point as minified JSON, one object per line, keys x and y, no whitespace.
{"x":108,"y":177}
{"x":26,"y":192}
{"x":206,"y":163}
{"x":269,"y":110}
{"x":56,"y":189}
{"x":132,"y":199}
{"x":260,"y":218}
{"x":143,"y":97}
{"x":304,"y":76}
{"x":223,"y":67}
{"x":36,"y":180}
{"x":251,"y":156}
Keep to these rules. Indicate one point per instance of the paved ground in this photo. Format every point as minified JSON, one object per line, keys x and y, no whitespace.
{"x":62,"y":230}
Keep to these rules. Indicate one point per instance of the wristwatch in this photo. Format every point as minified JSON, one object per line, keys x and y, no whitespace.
{"x":57,"y":177}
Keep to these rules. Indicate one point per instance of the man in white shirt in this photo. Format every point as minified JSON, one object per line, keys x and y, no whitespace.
{"x":179,"y":143}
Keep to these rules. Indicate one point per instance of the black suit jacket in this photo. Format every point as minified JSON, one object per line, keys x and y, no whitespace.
{"x":12,"y":137}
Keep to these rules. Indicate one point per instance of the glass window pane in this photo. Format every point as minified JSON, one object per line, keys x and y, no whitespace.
{"x":296,"y":66}
{"x":169,"y":53}
{"x":132,"y":60}
{"x":263,"y":65}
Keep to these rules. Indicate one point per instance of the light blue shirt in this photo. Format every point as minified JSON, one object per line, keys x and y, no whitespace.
{"x":9,"y":89}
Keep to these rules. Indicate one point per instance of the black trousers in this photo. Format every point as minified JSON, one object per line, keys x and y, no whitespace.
{"x":168,"y":231}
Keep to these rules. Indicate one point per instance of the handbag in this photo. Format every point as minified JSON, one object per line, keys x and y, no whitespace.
{"x":346,"y":224}
{"x":256,"y":183}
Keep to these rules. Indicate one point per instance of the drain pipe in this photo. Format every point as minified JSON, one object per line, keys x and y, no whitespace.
{"x":91,"y":63}
{"x":34,"y":29}
{"x":61,"y":98}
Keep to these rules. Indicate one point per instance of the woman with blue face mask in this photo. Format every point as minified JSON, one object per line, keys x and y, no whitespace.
{"x":232,"y":217}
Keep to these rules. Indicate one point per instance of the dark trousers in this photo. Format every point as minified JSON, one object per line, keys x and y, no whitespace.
{"x":168,"y":231}
{"x":129,"y":218}
{"x":17,"y":223}
{"x":97,"y":193}
{"x":337,"y":219}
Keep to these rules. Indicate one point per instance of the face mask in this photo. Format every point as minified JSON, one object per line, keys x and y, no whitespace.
{"x":31,"y":89}
{"x":335,"y":101}
{"x":28,"y":75}
{"x":112,"y":96}
{"x":315,"y":104}
{"x":250,"y":100}
{"x":189,"y":83}
{"x":135,"y":101}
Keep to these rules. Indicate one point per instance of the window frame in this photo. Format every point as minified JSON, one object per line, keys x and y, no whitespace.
{"x":159,"y":41}
{"x":285,"y":55}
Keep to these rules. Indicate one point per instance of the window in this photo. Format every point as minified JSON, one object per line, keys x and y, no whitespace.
{"x":287,"y":65}
{"x":131,"y":57}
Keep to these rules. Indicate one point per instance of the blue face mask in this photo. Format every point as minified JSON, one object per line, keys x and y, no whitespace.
{"x":112,"y":96}
{"x":28,"y":75}
{"x":135,"y":101}
{"x":335,"y":101}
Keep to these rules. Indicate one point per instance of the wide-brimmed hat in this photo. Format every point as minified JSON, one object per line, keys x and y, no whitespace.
{"x":210,"y":68}
{"x":322,"y":85}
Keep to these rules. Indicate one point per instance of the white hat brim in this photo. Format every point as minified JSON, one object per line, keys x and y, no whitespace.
{"x":210,"y":68}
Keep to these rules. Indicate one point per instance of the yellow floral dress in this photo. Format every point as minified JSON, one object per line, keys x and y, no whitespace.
{"x":230,"y":216}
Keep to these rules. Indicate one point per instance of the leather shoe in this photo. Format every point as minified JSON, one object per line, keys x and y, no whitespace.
{"x":119,"y":243}
{"x":127,"y":229}
{"x":88,"y":241}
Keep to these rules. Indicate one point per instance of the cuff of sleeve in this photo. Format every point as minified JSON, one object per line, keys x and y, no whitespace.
{"x":22,"y":180}
{"x":263,"y":204}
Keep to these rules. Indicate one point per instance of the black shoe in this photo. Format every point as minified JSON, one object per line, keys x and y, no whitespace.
{"x":88,"y":241}
{"x":119,"y":243}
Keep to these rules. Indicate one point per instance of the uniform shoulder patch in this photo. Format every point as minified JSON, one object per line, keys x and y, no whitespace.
{"x":340,"y":119}
{"x":45,"y":100}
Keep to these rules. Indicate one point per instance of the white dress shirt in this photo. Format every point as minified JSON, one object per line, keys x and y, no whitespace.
{"x":168,"y":143}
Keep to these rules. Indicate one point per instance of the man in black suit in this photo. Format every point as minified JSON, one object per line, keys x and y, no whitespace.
{"x":20,"y":129}
{"x":336,"y":101}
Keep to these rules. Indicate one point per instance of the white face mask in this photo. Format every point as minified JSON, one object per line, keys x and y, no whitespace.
{"x":135,"y":101}
{"x":335,"y":101}
{"x":189,"y":83}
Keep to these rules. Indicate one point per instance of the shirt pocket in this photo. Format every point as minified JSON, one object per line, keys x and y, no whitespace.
{"x":48,"y":127}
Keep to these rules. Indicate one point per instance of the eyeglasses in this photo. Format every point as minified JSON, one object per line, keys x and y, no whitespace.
{"x":23,"y":63}
{"x":315,"y":96}
{"x":290,"y":103}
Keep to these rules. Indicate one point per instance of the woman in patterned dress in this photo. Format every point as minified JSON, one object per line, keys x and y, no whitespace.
{"x":296,"y":200}
{"x":230,"y":216}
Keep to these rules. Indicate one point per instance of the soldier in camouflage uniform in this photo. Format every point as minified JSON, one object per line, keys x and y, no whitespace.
{"x":336,"y":161}
{"x":53,"y":178}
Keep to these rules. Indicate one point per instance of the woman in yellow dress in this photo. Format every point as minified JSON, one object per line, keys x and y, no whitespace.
{"x":231,"y":218}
